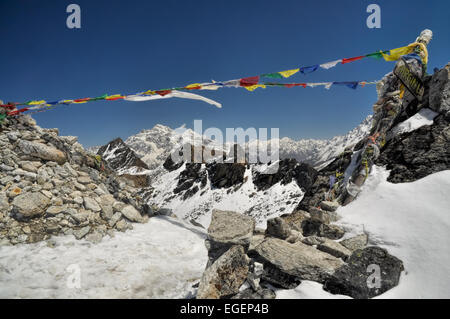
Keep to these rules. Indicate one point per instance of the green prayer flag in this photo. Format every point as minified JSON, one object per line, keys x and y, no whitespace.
{"x":273,"y":75}
{"x":99,"y":97}
{"x":376,"y":55}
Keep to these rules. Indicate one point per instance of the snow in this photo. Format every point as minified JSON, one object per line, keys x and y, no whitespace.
{"x":423,"y":117}
{"x":261,"y":205}
{"x":307,"y":290}
{"x":160,"y":259}
{"x":410,"y":220}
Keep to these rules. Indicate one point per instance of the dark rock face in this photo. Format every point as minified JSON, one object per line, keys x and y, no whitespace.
{"x":277,"y":227}
{"x":123,"y":158}
{"x":192,"y":174}
{"x":358,"y":280}
{"x":278,"y":278}
{"x":170,"y":165}
{"x":419,"y":153}
{"x":304,"y":174}
{"x":314,"y":195}
{"x":224,"y":175}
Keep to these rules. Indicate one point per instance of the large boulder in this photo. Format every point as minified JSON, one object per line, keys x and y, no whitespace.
{"x":42,"y":151}
{"x":30,"y":205}
{"x":298,"y":261}
{"x":229,"y":227}
{"x":278,"y":228}
{"x":225,"y":276}
{"x":356,"y":242}
{"x":368,"y":273}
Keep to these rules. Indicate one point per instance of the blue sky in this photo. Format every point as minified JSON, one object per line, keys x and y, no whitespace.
{"x":131,"y":46}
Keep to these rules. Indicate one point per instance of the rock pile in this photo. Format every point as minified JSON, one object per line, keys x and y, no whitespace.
{"x":245,"y":263}
{"x":50,"y":185}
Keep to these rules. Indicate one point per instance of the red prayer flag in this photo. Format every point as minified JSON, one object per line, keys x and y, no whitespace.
{"x":82,"y":100}
{"x":352,"y":59}
{"x":290,"y":85}
{"x":16,"y":112}
{"x":253,"y":80}
{"x":163,"y":92}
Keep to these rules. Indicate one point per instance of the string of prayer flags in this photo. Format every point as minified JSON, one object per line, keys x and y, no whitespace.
{"x":250,"y":81}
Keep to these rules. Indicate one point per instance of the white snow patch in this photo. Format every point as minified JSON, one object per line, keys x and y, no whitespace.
{"x":410,"y":220}
{"x":160,"y":259}
{"x":423,"y":117}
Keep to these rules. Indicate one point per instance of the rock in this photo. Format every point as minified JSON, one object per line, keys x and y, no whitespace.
{"x":94,"y":237}
{"x":230,"y":228}
{"x":30,"y":205}
{"x":297,"y":260}
{"x":91,"y":204}
{"x":132,"y":214}
{"x":114,"y":219}
{"x":355,"y":243}
{"x":277,"y":227}
{"x":28,"y":166}
{"x":122,"y":225}
{"x":334,"y":248}
{"x":224,"y":277}
{"x":311,"y":227}
{"x":15,"y":191}
{"x":80,"y":233}
{"x":249,"y":293}
{"x":323,"y":216}
{"x":224,"y":175}
{"x":313,"y":240}
{"x":254,"y":242}
{"x":358,"y":278}
{"x":329,"y":206}
{"x":296,"y":218}
{"x":439,"y":98}
{"x":294,"y":237}
{"x":84,"y":180}
{"x":55,"y":210}
{"x":4,"y":205}
{"x":42,"y":151}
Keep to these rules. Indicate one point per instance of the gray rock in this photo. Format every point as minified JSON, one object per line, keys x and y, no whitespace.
{"x":439,"y":98}
{"x":313,"y":240}
{"x":55,"y":210}
{"x":30,"y":205}
{"x":42,"y":151}
{"x":311,"y":227}
{"x":334,"y":248}
{"x":122,"y":225}
{"x":323,"y":216}
{"x":277,"y":227}
{"x":132,"y":214}
{"x":4,"y":205}
{"x":91,"y":204}
{"x":114,"y":219}
{"x":298,"y":260}
{"x":355,"y":243}
{"x":329,"y":206}
{"x":358,"y":278}
{"x":230,"y":228}
{"x":84,"y":180}
{"x":225,"y":276}
{"x":80,"y":233}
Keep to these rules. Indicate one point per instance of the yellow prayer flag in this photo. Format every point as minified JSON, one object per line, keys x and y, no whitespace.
{"x":289,"y":73}
{"x":193,"y":86}
{"x":37,"y":102}
{"x":149,"y":92}
{"x":395,"y":54}
{"x":254,"y":87}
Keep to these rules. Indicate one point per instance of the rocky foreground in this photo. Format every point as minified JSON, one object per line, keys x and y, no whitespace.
{"x":50,"y":185}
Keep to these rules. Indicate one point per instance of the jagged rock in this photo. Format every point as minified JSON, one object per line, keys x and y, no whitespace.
{"x":313,"y":240}
{"x":224,"y":277}
{"x":294,"y":237}
{"x":224,"y":175}
{"x":334,"y":248}
{"x":278,"y":228}
{"x":323,"y":216}
{"x":313,"y":227}
{"x":329,"y":206}
{"x":91,"y":204}
{"x":30,"y":205}
{"x":42,"y":151}
{"x":358,"y":278}
{"x":355,"y":243}
{"x":132,"y":214}
{"x":4,"y":204}
{"x":120,"y":157}
{"x":288,"y":169}
{"x":296,"y":218}
{"x":297,"y":260}
{"x":80,"y":233}
{"x":230,"y":228}
{"x":439,"y":98}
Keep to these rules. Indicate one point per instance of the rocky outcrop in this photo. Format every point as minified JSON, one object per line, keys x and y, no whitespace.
{"x":368,"y":273}
{"x":224,"y":175}
{"x":49,"y":185}
{"x":439,"y":96}
{"x":288,"y":170}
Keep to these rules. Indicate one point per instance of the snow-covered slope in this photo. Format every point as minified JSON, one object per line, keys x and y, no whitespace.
{"x":160,"y":259}
{"x":245,"y":198}
{"x":410,"y":220}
